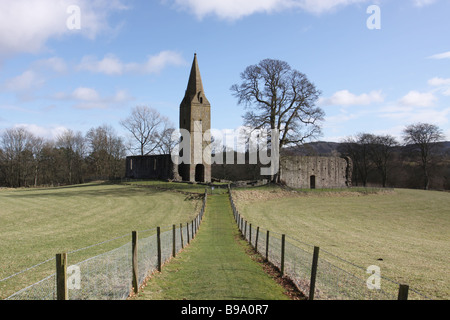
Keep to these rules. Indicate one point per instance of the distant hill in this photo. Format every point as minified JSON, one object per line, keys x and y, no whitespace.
{"x":319,"y":148}
{"x":324,"y":148}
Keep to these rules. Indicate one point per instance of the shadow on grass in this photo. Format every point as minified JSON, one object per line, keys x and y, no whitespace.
{"x":98,"y":189}
{"x":116,"y":189}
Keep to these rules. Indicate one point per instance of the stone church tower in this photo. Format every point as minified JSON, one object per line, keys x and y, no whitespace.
{"x":195,"y":117}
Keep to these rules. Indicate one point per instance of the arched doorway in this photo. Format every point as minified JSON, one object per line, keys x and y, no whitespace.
{"x":200,"y":173}
{"x":312,"y":182}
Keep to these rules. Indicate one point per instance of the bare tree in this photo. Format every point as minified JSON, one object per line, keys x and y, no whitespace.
{"x":17,"y":157}
{"x":73,"y":147}
{"x":358,"y":149}
{"x":148,"y":128}
{"x":279,"y":97}
{"x":381,"y":152}
{"x":166,"y":142}
{"x":106,"y":152}
{"x":423,"y":140}
{"x":37,"y":145}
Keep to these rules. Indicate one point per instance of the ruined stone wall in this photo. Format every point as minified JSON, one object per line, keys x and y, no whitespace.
{"x":150,"y":167}
{"x":319,"y":172}
{"x":295,"y":172}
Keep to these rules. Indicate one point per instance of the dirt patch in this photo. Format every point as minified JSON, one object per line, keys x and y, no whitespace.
{"x":291,"y":290}
{"x":282,"y":193}
{"x":256,"y":195}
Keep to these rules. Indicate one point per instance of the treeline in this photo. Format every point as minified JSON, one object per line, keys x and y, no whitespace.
{"x":73,"y":157}
{"x":418,"y":161}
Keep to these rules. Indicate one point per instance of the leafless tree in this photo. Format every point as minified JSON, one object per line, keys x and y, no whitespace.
{"x":358,"y":149}
{"x":423,"y":140}
{"x":106,"y":152}
{"x":166,"y":142}
{"x":279,"y":97}
{"x":17,"y":157}
{"x":150,"y":130}
{"x":36,"y":147}
{"x":381,"y":151}
{"x":73,"y":147}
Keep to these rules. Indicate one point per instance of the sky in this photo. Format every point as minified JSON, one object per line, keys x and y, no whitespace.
{"x":78,"y":64}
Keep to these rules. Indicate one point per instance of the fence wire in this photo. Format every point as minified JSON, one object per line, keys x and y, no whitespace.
{"x":108,"y":276}
{"x":332,"y":282}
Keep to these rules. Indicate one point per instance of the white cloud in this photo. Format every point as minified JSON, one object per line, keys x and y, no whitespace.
{"x":418,"y":99}
{"x":112,"y":65}
{"x":443,"y":85}
{"x":235,"y":9}
{"x":55,"y":64}
{"x":85,"y":94}
{"x":50,"y":132}
{"x":109,"y":65}
{"x":158,"y":62}
{"x":423,"y":3}
{"x":35,"y":77}
{"x":438,"y":82}
{"x":413,"y":115}
{"x":26,"y":26}
{"x":439,"y":56}
{"x":346,"y":98}
{"x":321,"y":6}
{"x":26,"y":81}
{"x":89,"y":98}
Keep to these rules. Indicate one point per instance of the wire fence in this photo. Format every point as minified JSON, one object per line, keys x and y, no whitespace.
{"x":321,"y":276}
{"x":111,"y":275}
{"x":117,"y":274}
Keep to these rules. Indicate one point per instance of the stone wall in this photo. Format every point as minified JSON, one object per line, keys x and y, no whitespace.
{"x":296,"y":172}
{"x":302,"y":172}
{"x":315,"y":172}
{"x":150,"y":167}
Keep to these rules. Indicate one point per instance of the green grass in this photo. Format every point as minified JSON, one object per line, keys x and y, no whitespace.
{"x":215,"y":266}
{"x":36,"y":224}
{"x":219,"y":188}
{"x":408,"y":229}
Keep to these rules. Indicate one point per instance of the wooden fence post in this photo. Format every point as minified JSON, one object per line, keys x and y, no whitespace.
{"x":403,"y":292}
{"x":283,"y":242}
{"x":187,"y":230}
{"x":158,"y":241}
{"x":134,"y":252}
{"x":256,"y":241}
{"x":267,"y":246}
{"x":173,"y":242}
{"x":181,"y":233}
{"x":245,"y":229}
{"x":62,"y":292}
{"x":312,"y":285}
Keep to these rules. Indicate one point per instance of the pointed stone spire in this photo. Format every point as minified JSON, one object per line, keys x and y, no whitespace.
{"x":195,"y":117}
{"x":195,"y":85}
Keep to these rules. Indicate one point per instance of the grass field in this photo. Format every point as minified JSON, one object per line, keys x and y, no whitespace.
{"x":215,"y":266}
{"x":181,"y":187}
{"x":35,"y":224}
{"x":404,"y":232}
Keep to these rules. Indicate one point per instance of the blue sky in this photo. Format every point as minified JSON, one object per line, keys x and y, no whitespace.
{"x":130,"y":53}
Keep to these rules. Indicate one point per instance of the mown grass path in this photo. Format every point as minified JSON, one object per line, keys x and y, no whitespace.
{"x":215,"y":266}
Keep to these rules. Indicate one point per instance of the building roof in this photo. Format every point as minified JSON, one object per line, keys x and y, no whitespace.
{"x":195,"y":85}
